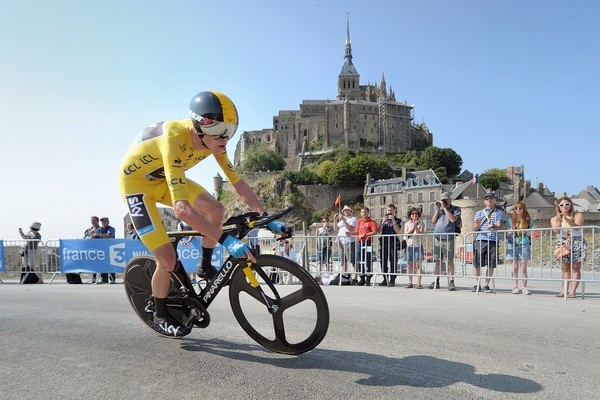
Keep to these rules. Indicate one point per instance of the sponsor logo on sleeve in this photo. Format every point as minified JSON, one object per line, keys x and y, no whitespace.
{"x":139,"y":214}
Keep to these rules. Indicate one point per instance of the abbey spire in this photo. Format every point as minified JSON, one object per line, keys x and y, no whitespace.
{"x":348,"y":80}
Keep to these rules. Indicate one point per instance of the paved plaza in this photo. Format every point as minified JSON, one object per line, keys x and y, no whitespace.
{"x":84,"y":341}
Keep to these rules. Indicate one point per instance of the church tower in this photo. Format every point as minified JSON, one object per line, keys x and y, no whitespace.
{"x":348,"y":80}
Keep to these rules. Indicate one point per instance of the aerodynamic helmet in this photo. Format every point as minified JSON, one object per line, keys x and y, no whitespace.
{"x":214,"y":114}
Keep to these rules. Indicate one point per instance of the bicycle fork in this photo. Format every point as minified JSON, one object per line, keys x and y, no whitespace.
{"x":271,"y":307}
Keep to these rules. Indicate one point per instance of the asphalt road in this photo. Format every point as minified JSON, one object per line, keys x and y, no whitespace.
{"x":64,"y":341}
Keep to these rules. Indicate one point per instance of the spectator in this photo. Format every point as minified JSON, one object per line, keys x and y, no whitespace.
{"x":344,"y":225}
{"x":132,"y":232}
{"x":519,"y":244}
{"x":566,"y":219}
{"x":485,"y":248}
{"x":286,"y":250}
{"x":365,"y":229}
{"x":414,"y":249}
{"x":253,"y":241}
{"x":29,"y":253}
{"x":90,"y":233}
{"x":324,"y":233}
{"x":447,"y":223}
{"x":390,"y":228}
{"x":105,"y":231}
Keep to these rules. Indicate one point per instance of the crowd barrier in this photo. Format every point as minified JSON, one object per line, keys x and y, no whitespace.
{"x":543,"y":265}
{"x":91,"y":256}
{"x":326,"y":257}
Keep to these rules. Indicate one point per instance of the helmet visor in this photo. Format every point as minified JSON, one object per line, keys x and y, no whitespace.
{"x":211,"y":127}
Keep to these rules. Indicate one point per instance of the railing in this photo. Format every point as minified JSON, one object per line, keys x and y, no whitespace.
{"x":326,"y":257}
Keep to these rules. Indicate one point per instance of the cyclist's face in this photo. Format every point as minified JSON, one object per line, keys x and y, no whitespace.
{"x":216,"y":144}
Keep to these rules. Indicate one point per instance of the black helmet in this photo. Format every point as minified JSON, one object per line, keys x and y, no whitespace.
{"x":213,"y":114}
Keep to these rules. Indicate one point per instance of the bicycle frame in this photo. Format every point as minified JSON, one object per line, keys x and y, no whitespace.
{"x":243,"y":225}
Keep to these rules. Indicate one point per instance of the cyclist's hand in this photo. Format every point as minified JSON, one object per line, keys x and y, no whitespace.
{"x":276,"y":226}
{"x":237,"y":248}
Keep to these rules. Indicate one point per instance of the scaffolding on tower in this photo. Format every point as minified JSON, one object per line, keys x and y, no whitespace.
{"x":382,"y":121}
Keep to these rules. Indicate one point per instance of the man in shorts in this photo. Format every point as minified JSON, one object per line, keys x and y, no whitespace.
{"x":446,"y":220}
{"x":485,"y":248}
{"x":153,"y":171}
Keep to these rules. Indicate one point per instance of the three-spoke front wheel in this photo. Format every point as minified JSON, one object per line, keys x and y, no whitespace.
{"x":288,"y":313}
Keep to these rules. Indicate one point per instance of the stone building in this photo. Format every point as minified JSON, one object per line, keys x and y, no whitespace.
{"x":420,"y":189}
{"x":361,"y":118}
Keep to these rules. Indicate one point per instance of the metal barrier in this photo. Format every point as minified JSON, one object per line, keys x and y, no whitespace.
{"x":325,"y":260}
{"x":543,"y":265}
{"x":45,"y":258}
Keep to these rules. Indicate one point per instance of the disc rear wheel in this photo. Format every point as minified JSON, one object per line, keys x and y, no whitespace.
{"x":138,"y":287}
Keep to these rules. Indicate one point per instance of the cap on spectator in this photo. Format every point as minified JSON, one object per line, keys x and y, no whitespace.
{"x":346,"y":208}
{"x":489,"y":195}
{"x":36,"y":226}
{"x":444,"y":196}
{"x":104,"y":218}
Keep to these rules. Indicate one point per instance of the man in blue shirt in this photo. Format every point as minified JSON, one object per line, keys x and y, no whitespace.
{"x":446,"y":220}
{"x":485,"y":248}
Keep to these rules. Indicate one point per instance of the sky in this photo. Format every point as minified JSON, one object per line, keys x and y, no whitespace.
{"x":503,"y":83}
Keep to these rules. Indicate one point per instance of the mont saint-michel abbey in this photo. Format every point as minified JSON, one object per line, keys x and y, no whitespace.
{"x":362,"y":118}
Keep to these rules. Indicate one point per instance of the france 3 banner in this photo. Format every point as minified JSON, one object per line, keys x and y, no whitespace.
{"x":112,"y":255}
{"x":2,"y":256}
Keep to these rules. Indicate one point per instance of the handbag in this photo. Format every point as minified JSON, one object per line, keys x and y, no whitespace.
{"x":561,"y":250}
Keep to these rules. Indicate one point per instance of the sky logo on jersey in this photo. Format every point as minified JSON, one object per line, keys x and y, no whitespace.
{"x":139,"y":214}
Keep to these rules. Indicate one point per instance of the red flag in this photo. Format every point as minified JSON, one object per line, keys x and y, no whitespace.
{"x":338,"y":201}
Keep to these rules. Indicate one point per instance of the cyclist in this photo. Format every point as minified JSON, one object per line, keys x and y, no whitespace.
{"x":153,"y":171}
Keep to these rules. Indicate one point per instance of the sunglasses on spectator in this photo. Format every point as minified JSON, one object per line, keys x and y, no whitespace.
{"x":518,"y":208}
{"x":565,"y":205}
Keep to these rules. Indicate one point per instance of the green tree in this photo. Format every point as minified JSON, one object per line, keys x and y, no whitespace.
{"x":435,"y":158}
{"x":306,"y":176}
{"x":421,"y":143}
{"x":352,"y":172}
{"x":324,"y":169}
{"x":491,"y":178}
{"x":260,"y":157}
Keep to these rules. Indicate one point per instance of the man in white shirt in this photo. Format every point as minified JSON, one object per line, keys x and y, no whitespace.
{"x":345,"y":223}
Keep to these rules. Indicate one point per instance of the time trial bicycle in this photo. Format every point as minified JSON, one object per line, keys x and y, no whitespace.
{"x":290,"y":318}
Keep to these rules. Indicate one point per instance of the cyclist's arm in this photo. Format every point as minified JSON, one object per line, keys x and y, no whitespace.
{"x":249,"y":197}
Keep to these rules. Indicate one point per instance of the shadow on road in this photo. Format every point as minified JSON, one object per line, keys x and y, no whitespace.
{"x":416,"y":371}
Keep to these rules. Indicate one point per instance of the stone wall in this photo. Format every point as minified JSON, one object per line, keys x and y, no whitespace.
{"x":322,"y":197}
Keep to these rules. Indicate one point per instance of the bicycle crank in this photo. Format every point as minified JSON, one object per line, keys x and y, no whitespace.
{"x":197,"y":315}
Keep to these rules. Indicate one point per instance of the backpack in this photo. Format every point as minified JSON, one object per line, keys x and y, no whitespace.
{"x":29,"y":278}
{"x":73,"y":279}
{"x":457,"y":223}
{"x":345,"y":280}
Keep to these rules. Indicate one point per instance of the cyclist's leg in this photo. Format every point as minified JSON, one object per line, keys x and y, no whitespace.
{"x":141,"y":198}
{"x":214,"y":212}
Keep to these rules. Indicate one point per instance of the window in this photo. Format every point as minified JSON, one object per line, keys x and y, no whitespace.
{"x":382,"y":202}
{"x":421,"y":196}
{"x":409,"y":198}
{"x":431,"y":196}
